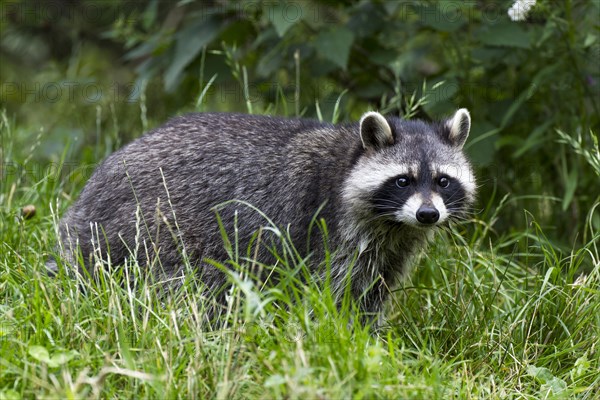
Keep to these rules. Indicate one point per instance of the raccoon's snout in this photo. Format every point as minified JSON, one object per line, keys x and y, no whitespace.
{"x":422,"y":211}
{"x":428,"y":215}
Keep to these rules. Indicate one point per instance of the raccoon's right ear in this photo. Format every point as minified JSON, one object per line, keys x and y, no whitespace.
{"x":375,"y":132}
{"x":459,"y":126}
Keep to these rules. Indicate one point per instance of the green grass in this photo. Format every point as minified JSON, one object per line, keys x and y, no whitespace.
{"x":483,"y":316}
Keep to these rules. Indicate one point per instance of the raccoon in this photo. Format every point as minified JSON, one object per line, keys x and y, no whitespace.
{"x":381,"y":185}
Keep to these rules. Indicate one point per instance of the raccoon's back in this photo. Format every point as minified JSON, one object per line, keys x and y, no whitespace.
{"x":160,"y":189}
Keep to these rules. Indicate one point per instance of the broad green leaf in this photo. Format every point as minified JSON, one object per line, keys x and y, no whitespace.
{"x":189,"y":43}
{"x":334,"y":45}
{"x":582,"y":365}
{"x":481,"y":146}
{"x":270,"y":61}
{"x":9,"y":394}
{"x":284,"y":15}
{"x":541,"y":374}
{"x":553,"y":386}
{"x":366,"y":20}
{"x":489,"y":54}
{"x":390,"y":7}
{"x":146,"y":48}
{"x":506,"y":34}
{"x":62,"y":357}
{"x":59,"y":358}
{"x":40,"y":353}
{"x":447,"y":17}
{"x":590,"y":39}
{"x":149,"y":15}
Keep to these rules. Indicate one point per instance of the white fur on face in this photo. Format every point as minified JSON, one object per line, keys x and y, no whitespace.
{"x":438,"y":203}
{"x":371,"y":174}
{"x":408,"y":213}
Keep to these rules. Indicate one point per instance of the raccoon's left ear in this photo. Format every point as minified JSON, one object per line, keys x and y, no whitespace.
{"x":459,"y":126}
{"x":375,"y":132}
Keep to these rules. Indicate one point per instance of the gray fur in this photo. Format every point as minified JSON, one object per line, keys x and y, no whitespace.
{"x":287,"y":168}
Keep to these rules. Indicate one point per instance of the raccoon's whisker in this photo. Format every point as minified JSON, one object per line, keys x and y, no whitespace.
{"x":457,"y":217}
{"x":455,"y":200}
{"x":462,"y":207}
{"x":457,"y":206}
{"x":473,"y":210}
{"x":389,"y":208}
{"x":464,"y":211}
{"x":451,"y":200}
{"x":380,"y":216}
{"x":390,"y":201}
{"x":456,"y":211}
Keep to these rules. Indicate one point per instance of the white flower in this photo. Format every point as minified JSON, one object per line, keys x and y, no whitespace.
{"x":520,"y":8}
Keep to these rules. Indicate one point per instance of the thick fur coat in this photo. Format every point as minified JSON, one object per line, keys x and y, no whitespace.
{"x":377,"y":183}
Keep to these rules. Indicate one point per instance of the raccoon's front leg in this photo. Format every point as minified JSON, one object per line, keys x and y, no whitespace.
{"x":353,"y":275}
{"x":371,"y":300}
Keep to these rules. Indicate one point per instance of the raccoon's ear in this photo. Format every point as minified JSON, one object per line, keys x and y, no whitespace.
{"x":459,"y":126}
{"x":375,"y":132}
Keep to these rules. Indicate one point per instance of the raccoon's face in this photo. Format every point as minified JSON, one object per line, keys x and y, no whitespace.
{"x":411,"y":172}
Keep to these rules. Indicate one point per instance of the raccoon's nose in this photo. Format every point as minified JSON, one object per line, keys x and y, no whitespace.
{"x":428,"y":215}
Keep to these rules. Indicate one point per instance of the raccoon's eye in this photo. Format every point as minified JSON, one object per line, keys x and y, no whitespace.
{"x":444,"y":182}
{"x":402,"y":182}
